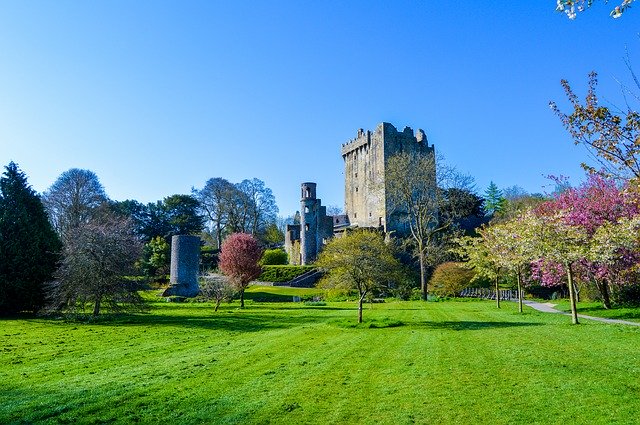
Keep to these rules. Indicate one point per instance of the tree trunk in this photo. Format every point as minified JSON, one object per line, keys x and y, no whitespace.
{"x":96,"y":306}
{"x":604,"y":291}
{"x":572,"y":295}
{"x":242,"y":298}
{"x":519,"y":291}
{"x":217,"y":304}
{"x":360,"y":309}
{"x":423,"y":278}
{"x":497,"y":291}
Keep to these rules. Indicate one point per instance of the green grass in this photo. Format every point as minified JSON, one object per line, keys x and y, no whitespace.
{"x":410,"y":362}
{"x":596,"y":309}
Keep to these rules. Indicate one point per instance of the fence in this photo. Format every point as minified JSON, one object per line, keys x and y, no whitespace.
{"x":489,"y":294}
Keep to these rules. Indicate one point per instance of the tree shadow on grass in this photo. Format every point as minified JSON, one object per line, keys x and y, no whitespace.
{"x":467,"y":325}
{"x":231,"y":320}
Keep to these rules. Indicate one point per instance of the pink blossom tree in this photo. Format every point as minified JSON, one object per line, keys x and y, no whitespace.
{"x":598,"y":203}
{"x":239,"y":259}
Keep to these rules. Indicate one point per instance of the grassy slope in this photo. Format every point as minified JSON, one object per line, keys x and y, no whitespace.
{"x":451,"y":362}
{"x":596,"y":309}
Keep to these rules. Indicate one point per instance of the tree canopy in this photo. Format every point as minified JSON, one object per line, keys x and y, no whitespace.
{"x":29,"y":247}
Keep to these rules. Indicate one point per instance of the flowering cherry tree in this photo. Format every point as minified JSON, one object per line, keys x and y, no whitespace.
{"x":239,"y":259}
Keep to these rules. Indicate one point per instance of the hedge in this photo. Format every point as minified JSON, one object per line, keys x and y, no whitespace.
{"x":282,"y":273}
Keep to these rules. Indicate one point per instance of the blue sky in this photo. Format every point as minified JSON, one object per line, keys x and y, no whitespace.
{"x":156,"y":97}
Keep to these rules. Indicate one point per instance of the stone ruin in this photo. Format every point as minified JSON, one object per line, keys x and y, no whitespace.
{"x":185,"y":265}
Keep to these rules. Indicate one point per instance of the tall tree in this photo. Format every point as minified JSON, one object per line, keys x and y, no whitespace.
{"x":360,"y":260}
{"x":417,"y":195}
{"x":98,"y":259}
{"x":29,"y":247}
{"x":494,"y":201}
{"x":262,"y":204}
{"x":73,"y":199}
{"x":214,"y":200}
{"x":239,"y":259}
{"x":182,"y":215}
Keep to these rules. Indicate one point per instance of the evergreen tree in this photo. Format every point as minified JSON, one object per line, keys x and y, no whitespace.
{"x":29,"y":247}
{"x":493,"y":200}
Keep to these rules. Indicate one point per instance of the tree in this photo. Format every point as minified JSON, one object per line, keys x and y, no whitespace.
{"x":29,"y":247}
{"x":417,"y":195}
{"x":450,"y":278}
{"x":216,"y":288}
{"x":479,"y":258}
{"x":98,"y":258}
{"x":493,"y":199}
{"x":182,"y":215}
{"x":360,"y":260}
{"x":612,"y":140}
{"x":239,"y":259}
{"x":570,"y":7}
{"x":214,"y":200}
{"x":73,"y":199}
{"x":549,"y":237}
{"x":156,"y":257}
{"x":508,"y":250}
{"x":262,"y":204}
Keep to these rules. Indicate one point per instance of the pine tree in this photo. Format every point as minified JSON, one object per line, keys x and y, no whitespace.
{"x":493,"y":200}
{"x":29,"y":247}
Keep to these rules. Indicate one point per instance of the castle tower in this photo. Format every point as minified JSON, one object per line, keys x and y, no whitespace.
{"x":365,"y":159}
{"x":308,"y":223}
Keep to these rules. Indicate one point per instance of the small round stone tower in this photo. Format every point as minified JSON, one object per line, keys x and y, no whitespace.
{"x":185,"y":264}
{"x":308,"y":223}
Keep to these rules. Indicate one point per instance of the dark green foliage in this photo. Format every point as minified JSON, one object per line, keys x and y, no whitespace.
{"x":274,"y":257}
{"x":29,"y":247}
{"x":175,"y":215}
{"x":494,"y":201}
{"x":282,"y":273}
{"x":156,"y":257}
{"x":209,"y":258}
{"x":182,"y":215}
{"x":449,"y":279}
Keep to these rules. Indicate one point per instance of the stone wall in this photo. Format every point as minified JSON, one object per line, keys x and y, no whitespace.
{"x":365,"y":157}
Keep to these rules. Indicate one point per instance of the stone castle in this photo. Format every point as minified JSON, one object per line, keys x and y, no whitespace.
{"x":367,"y":204}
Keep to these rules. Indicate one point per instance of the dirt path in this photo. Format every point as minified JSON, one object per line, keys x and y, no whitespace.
{"x":549,"y":308}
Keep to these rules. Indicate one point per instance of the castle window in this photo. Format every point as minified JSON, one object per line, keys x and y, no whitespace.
{"x":369,"y":214}
{"x":307,"y":193}
{"x":306,"y":227}
{"x":356,"y":189}
{"x":355,"y":215}
{"x":356,"y":174}
{"x":306,"y":210}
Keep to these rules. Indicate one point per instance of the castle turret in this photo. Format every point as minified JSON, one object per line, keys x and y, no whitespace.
{"x":308,"y":223}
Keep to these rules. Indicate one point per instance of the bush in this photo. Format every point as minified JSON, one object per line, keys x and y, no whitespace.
{"x":282,"y":273}
{"x":274,"y":257}
{"x":627,"y":295}
{"x":449,"y":279}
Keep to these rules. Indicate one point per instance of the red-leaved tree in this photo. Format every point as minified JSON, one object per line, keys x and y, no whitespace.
{"x":239,"y":260}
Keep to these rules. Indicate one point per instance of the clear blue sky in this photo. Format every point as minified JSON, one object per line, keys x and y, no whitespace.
{"x":158,"y":96}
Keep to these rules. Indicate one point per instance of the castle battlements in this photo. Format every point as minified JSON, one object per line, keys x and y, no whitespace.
{"x":387,"y":131}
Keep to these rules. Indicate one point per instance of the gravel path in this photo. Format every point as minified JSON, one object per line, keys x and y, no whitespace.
{"x":549,"y":308}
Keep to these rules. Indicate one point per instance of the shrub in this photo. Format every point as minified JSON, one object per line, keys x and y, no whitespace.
{"x":449,"y":279}
{"x":282,"y":273}
{"x":273,"y":257}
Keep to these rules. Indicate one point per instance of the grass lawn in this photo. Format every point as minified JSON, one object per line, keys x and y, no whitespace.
{"x":596,"y":309}
{"x":281,"y":362}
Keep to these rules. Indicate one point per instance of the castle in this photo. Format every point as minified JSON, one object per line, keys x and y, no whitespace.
{"x":367,"y":203}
